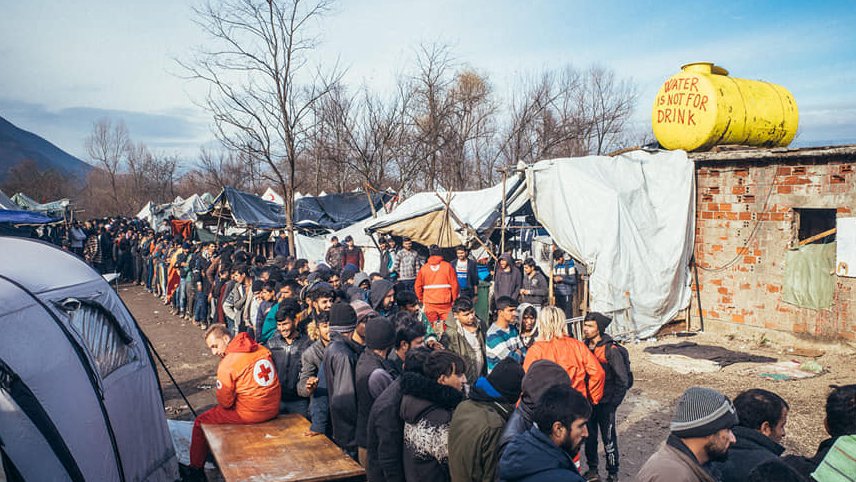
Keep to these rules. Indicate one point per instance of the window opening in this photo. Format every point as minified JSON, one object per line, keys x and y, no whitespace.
{"x":107,"y":343}
{"x":815,"y":225}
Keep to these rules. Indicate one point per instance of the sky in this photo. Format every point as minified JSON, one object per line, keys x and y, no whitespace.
{"x":64,"y":65}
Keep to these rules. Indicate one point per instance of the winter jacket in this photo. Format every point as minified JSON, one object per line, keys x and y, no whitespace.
{"x":617,"y":380}
{"x":287,"y":360}
{"x":234,"y":302}
{"x":340,"y":361}
{"x":437,"y":283}
{"x":280,"y":247}
{"x":407,"y":264}
{"x":384,"y":436}
{"x":751,"y":449}
{"x":538,"y":287}
{"x":353,"y":256}
{"x":806,"y":465}
{"x":310,"y":365}
{"x":569,"y":279}
{"x":507,"y":283}
{"x":426,"y":409}
{"x":587,"y":376}
{"x":541,"y":375}
{"x":334,"y":256}
{"x":455,"y":341}
{"x":387,"y":259}
{"x":674,"y":462}
{"x":533,"y":457}
{"x":247,"y":380}
{"x":474,"y":433}
{"x":369,"y":362}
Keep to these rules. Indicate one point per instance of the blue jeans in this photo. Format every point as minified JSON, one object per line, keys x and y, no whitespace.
{"x":200,"y":307}
{"x":182,"y":295}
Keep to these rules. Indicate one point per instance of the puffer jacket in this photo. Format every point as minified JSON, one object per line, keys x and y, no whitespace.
{"x":426,"y":409}
{"x":437,"y":283}
{"x":533,"y":457}
{"x":247,"y":380}
{"x":583,"y":368}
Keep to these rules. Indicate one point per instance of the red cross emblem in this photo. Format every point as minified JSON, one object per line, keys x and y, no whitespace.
{"x":263,"y":373}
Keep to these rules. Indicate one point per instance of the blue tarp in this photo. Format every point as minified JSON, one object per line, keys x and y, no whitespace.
{"x":24,"y":217}
{"x":249,"y":210}
{"x":338,"y":211}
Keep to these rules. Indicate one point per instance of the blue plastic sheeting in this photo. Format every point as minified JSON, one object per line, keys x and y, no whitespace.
{"x":24,"y":217}
{"x":338,"y":211}
{"x":249,"y":210}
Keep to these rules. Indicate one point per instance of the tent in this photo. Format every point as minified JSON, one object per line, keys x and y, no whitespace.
{"x":337,"y":211}
{"x":272,"y":196}
{"x":9,"y":216}
{"x":424,"y":218}
{"x":630,"y":220}
{"x":6,"y":203}
{"x":245,"y":210}
{"x":183,"y":209}
{"x":79,"y":394}
{"x":54,"y":208}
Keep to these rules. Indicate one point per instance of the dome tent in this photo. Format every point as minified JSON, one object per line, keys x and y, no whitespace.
{"x":79,"y":395}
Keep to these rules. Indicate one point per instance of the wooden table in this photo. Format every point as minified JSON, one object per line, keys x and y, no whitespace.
{"x":277,"y":450}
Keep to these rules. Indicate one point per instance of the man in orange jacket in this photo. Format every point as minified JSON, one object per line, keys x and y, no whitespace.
{"x":247,"y":387}
{"x":436,"y":287}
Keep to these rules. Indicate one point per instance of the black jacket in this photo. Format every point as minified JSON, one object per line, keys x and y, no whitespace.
{"x":287,"y":359}
{"x":751,"y":449}
{"x":426,"y":409}
{"x":384,"y":435}
{"x":472,"y":278}
{"x":533,"y":457}
{"x":369,"y":362}
{"x":806,"y":465}
{"x":340,"y":361}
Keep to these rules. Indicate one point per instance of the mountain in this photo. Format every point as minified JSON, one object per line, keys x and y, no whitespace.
{"x":17,"y":145}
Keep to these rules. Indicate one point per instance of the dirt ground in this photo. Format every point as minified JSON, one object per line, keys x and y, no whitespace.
{"x":643,"y":418}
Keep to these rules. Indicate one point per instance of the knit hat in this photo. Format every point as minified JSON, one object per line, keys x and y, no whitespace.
{"x":380,"y":333}
{"x":343,"y":318}
{"x":506,"y":377}
{"x":701,"y":412}
{"x":542,"y":375}
{"x":602,"y":321}
{"x":362,"y":309}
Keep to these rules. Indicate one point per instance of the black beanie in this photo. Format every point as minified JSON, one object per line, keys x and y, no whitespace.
{"x":380,"y":333}
{"x":602,"y":321}
{"x":506,"y":377}
{"x":343,"y":318}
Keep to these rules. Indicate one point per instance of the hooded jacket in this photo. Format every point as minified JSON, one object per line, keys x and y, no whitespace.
{"x":437,"y":283}
{"x":378,"y":292}
{"x":529,"y":339}
{"x":340,"y":361}
{"x":384,"y":436}
{"x":474,"y":433}
{"x":541,"y":375}
{"x":617,"y":380}
{"x":583,"y":368}
{"x":538,"y":287}
{"x":247,"y":380}
{"x":751,"y":449}
{"x":426,"y":409}
{"x":454,"y":340}
{"x":507,"y":283}
{"x":533,"y":457}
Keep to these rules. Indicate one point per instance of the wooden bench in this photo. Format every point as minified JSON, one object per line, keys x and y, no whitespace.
{"x":278,"y":450}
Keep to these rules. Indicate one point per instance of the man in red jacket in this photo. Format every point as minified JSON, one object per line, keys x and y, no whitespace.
{"x":247,"y":388}
{"x":437,"y":288}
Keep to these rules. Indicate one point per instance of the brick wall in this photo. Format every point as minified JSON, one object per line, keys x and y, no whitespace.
{"x":741,"y":284}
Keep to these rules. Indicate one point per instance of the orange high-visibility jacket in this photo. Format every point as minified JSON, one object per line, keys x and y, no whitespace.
{"x":436,"y":282}
{"x":247,"y":381}
{"x":575,"y":357}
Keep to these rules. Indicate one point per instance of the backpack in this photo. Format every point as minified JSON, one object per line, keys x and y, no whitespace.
{"x":625,"y":356}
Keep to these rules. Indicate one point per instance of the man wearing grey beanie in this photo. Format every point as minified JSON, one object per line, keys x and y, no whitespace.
{"x":700,"y":434}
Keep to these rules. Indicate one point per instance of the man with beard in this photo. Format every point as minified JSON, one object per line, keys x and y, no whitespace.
{"x":700,"y":434}
{"x":545,"y":453}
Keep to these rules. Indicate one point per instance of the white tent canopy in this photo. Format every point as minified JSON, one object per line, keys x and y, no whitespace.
{"x":630,"y":220}
{"x":184,"y":209}
{"x":272,"y":196}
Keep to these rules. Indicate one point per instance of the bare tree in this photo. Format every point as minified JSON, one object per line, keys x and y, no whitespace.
{"x":261,"y":89}
{"x":107,"y":146}
{"x":607,"y":103}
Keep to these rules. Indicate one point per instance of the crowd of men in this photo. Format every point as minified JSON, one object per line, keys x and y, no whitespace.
{"x":395,"y":367}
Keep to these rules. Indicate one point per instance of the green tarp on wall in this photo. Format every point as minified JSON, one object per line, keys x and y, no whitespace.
{"x":809,"y":279}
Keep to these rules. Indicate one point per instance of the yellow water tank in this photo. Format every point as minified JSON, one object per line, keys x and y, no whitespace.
{"x":702,"y":107}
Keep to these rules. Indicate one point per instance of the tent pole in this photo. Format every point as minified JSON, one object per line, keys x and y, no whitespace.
{"x":467,"y":227}
{"x":219,"y":218}
{"x":371,"y":203}
{"x":552,"y":295}
{"x":502,"y":217}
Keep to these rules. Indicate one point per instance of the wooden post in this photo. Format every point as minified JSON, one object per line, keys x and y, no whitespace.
{"x":502,"y":218}
{"x":369,"y":195}
{"x":551,"y":294}
{"x":472,"y":232}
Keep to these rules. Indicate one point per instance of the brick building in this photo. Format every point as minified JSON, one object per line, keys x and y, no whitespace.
{"x":755,"y":205}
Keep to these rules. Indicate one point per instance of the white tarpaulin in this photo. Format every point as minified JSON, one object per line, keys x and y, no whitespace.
{"x":180,"y":209}
{"x":630,"y":220}
{"x":845,"y":262}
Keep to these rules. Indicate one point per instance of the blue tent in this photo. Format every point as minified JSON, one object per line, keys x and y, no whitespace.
{"x":24,"y":217}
